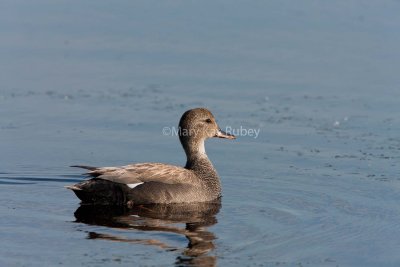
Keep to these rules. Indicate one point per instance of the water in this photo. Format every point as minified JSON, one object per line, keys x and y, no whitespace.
{"x":95,"y":83}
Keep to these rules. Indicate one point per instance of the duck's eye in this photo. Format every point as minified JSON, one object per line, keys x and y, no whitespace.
{"x":208,"y":120}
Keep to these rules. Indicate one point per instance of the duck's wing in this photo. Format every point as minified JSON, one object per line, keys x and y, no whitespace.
{"x":142,"y":172}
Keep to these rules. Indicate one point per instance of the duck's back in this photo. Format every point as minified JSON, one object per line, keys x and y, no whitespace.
{"x":143,"y":184}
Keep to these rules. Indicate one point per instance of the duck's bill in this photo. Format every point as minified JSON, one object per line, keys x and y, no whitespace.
{"x":222,"y":134}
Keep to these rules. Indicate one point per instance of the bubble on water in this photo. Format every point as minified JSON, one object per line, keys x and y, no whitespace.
{"x":336,"y":123}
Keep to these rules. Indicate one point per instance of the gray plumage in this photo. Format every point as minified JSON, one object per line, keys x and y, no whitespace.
{"x":145,"y":183}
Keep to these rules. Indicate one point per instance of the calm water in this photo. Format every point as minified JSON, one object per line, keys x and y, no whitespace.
{"x":96,"y":82}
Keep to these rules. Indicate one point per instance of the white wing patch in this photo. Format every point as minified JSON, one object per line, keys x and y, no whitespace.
{"x":134,"y":185}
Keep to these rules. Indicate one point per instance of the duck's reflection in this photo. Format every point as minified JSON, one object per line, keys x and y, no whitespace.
{"x":196,"y":218}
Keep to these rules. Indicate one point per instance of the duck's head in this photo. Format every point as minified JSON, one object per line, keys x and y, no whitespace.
{"x":195,"y":126}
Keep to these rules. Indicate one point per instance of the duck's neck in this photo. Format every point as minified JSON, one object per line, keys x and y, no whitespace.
{"x":198,"y":162}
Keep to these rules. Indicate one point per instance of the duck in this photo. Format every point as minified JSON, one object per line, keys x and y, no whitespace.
{"x":159,"y":183}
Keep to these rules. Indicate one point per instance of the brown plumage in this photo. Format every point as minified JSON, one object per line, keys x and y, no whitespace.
{"x":145,"y":183}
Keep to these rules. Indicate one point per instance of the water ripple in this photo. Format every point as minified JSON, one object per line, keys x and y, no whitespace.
{"x":31,"y":180}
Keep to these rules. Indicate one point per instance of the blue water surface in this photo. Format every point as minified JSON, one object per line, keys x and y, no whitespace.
{"x":96,"y":82}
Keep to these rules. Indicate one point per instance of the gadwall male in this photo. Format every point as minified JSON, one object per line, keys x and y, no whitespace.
{"x":146,"y":183}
